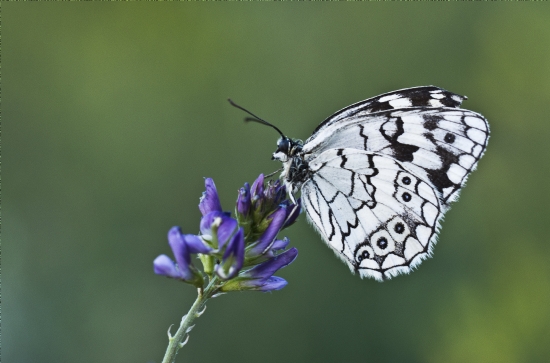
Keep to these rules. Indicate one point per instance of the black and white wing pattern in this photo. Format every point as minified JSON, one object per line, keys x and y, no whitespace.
{"x":377,"y":176}
{"x":379,"y":218}
{"x":427,"y":96}
{"x":422,"y":128}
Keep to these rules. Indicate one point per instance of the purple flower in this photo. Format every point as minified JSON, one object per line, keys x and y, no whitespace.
{"x":270,"y":284}
{"x":218,"y":227}
{"x":260,"y":277}
{"x":280,"y":244}
{"x":266,"y":239}
{"x":181,"y":253}
{"x":195,"y":244}
{"x":244,"y":201}
{"x":275,"y":192}
{"x":267,"y":269}
{"x":242,"y":252}
{"x":163,"y":265}
{"x":264,"y":200}
{"x":257,"y":189}
{"x":233,"y":258}
{"x":210,"y":201}
{"x":293,"y":211}
{"x":182,"y":247}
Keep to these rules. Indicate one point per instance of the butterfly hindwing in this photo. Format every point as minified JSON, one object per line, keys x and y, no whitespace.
{"x":380,"y":218}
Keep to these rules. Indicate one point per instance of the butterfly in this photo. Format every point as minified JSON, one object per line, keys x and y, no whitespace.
{"x":377,"y":177}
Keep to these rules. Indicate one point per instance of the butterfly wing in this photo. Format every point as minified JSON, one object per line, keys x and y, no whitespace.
{"x":379,"y":217}
{"x":442,"y":145}
{"x":426,"y":96}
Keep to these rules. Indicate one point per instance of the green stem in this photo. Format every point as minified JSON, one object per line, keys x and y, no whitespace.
{"x":176,"y":342}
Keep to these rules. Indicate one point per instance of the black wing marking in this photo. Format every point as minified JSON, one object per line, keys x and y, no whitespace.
{"x":426,"y":96}
{"x":442,"y":145}
{"x":378,"y":217}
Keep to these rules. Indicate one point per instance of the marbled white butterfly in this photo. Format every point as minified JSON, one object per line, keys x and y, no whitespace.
{"x":377,"y":177}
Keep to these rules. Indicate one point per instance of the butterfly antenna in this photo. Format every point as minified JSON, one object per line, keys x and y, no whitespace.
{"x":255,"y":118}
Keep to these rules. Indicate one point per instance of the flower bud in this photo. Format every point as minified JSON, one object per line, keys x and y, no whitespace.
{"x":244,"y":201}
{"x":209,"y":201}
{"x":267,"y":285}
{"x":293,"y":211}
{"x":233,"y":258}
{"x":258,"y":187}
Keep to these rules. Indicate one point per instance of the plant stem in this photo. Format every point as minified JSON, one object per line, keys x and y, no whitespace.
{"x":176,"y":342}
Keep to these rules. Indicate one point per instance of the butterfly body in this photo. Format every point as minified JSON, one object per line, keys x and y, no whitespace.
{"x":295,"y":167}
{"x":377,"y":176}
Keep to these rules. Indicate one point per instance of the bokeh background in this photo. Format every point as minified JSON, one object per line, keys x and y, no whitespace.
{"x":114,"y":112}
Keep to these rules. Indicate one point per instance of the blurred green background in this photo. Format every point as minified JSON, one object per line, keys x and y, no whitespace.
{"x":114,"y":112}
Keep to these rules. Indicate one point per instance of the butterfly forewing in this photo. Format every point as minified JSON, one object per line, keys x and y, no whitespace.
{"x":426,"y":96}
{"x":441,"y":145}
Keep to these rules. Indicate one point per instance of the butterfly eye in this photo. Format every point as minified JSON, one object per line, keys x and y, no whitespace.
{"x":283,"y":145}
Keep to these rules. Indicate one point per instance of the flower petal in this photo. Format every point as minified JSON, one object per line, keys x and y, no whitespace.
{"x":226,"y":230}
{"x":280,"y":244}
{"x":209,"y":201}
{"x":293,"y":211}
{"x":233,"y":258}
{"x":258,"y":186}
{"x":243,"y":201}
{"x":272,"y":284}
{"x":219,"y":223}
{"x":266,"y":239}
{"x":266,"y":269}
{"x":208,"y":220}
{"x":264,"y":285}
{"x":195,"y":244}
{"x":163,"y":265}
{"x":181,"y":253}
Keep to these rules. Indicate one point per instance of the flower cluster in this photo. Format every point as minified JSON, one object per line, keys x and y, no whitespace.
{"x":242,"y":252}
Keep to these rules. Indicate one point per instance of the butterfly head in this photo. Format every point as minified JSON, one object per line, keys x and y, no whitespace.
{"x":286,"y":149}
